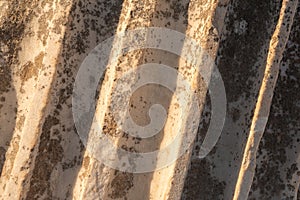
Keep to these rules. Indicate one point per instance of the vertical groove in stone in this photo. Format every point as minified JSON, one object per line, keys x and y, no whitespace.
{"x":277,"y":171}
{"x":240,"y":60}
{"x":205,"y":24}
{"x":135,"y":14}
{"x":29,"y":83}
{"x":262,"y":110}
{"x":42,"y":44}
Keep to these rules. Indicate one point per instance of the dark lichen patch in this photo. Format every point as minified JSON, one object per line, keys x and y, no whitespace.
{"x":268,"y":180}
{"x":279,"y":146}
{"x":11,"y":33}
{"x":50,"y":152}
{"x":173,"y":12}
{"x":293,"y":169}
{"x":179,"y":8}
{"x":58,"y":25}
{"x":235,"y":114}
{"x":2,"y":158}
{"x":203,"y":126}
{"x":125,"y":141}
{"x":180,"y":170}
{"x":5,"y":79}
{"x":110,"y":126}
{"x":70,"y":163}
{"x":43,"y":26}
{"x":211,"y":187}
{"x":121,"y":184}
{"x":76,"y":41}
{"x":238,"y":54}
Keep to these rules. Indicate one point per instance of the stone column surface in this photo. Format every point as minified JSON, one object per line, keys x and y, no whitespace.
{"x":240,"y":61}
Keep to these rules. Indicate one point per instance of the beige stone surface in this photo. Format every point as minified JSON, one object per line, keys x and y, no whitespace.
{"x":42,"y":45}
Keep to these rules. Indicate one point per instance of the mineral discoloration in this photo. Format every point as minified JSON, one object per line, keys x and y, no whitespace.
{"x":2,"y":157}
{"x":121,"y":183}
{"x":211,"y":186}
{"x":31,"y":69}
{"x":12,"y":29}
{"x":134,"y":15}
{"x":277,"y":173}
{"x":24,"y":55}
{"x":236,"y":66}
{"x":11,"y":33}
{"x":20,"y":123}
{"x":10,"y":157}
{"x":205,"y":22}
{"x":50,"y":152}
{"x":85,"y":26}
{"x":264,"y":100}
{"x":42,"y":44}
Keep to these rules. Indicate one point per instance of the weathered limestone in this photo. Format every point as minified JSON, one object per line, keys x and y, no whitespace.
{"x":43,"y":43}
{"x":262,"y":110}
{"x":277,"y":172}
{"x":170,"y":14}
{"x":31,"y":44}
{"x":241,"y":59}
{"x":48,"y":149}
